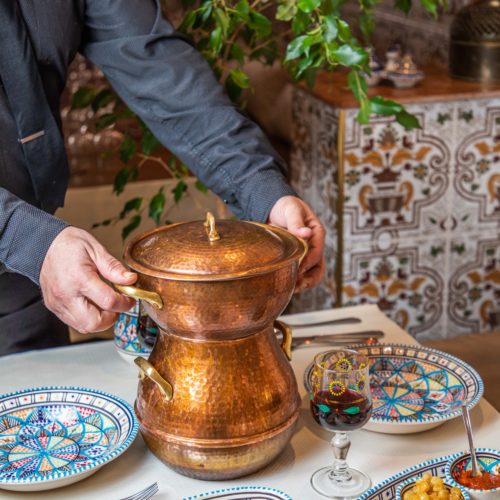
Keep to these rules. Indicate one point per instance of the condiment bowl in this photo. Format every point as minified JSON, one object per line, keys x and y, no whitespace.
{"x":488,"y":460}
{"x":407,"y":485}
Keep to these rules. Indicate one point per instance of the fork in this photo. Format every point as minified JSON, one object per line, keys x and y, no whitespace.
{"x":144,"y":494}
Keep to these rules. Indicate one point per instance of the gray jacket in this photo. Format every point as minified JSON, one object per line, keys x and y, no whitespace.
{"x":168,"y":84}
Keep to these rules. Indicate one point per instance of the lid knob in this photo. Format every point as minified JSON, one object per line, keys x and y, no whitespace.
{"x":209,"y":224}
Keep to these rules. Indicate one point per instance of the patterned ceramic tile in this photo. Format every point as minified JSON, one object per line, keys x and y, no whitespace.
{"x":476,"y":187}
{"x":313,"y":174}
{"x":397,"y":178}
{"x":474,"y":284}
{"x":406,"y":280}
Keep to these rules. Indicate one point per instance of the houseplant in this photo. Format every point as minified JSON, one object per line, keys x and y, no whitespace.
{"x":305,"y":35}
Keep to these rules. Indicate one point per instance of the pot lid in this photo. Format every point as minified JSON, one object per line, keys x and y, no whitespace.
{"x":205,"y":250}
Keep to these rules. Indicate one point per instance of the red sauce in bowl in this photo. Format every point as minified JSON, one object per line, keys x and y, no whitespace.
{"x":485,"y":481}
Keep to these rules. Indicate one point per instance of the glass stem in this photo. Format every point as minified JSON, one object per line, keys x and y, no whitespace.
{"x":340,"y":444}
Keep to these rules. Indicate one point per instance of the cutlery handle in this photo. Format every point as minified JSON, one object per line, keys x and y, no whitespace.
{"x":342,"y":321}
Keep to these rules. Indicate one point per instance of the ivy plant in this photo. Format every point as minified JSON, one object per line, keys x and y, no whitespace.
{"x":306,"y":36}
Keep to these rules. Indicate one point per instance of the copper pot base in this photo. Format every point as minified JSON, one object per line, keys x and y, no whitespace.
{"x":222,"y":460}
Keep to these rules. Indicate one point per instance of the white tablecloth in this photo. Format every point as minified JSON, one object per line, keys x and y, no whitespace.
{"x":97,"y":365}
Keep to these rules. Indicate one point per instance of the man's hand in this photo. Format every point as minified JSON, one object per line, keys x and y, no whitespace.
{"x":72,"y":286}
{"x":293,"y":214}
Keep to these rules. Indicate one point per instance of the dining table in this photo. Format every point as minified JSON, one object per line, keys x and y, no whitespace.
{"x":97,"y":365}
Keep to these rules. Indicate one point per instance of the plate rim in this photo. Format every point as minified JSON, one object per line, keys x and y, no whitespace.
{"x":406,"y":420}
{"x":134,"y":428}
{"x":432,"y":461}
{"x":236,"y":489}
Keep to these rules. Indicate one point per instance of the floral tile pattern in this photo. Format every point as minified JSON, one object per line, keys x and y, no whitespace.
{"x":411,"y":201}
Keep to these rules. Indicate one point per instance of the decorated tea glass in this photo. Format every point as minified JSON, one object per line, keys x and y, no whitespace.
{"x":341,"y":402}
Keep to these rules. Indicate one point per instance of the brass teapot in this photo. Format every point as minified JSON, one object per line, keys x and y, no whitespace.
{"x":217,"y":398}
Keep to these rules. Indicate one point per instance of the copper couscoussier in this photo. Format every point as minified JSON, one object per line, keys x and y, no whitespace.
{"x":217,"y":398}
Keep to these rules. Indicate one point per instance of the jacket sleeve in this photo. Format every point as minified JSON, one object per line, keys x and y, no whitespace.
{"x":171,"y":87}
{"x":26,"y":234}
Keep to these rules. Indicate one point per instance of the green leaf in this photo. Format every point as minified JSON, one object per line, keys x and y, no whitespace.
{"x":353,"y":410}
{"x":133,"y":204}
{"x":347,"y":55}
{"x":121,"y":179}
{"x":295,"y":48}
{"x":222,"y":20}
{"x":408,"y":120}
{"x":216,"y":39}
{"x":82,"y":97}
{"x":200,"y":186}
{"x":385,"y":107}
{"x":324,"y":408}
{"x":237,"y":53}
{"x":286,"y":12}
{"x":157,"y":206}
{"x":308,"y":6}
{"x":300,"y":22}
{"x":357,"y":84}
{"x":310,"y":76}
{"x":364,"y":110}
{"x":179,"y":190}
{"x":261,"y":24}
{"x":404,"y":5}
{"x":132,"y":224}
{"x":330,"y":29}
{"x":233,"y":90}
{"x":149,"y":143}
{"x":105,"y":120}
{"x":332,"y":7}
{"x":103,"y":98}
{"x":127,"y":149}
{"x":243,"y":9}
{"x":344,"y":31}
{"x":430,"y":6}
{"x":240,"y":78}
{"x":206,"y":11}
{"x":188,"y":21}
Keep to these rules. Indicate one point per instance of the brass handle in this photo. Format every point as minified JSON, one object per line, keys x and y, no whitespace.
{"x":146,"y":369}
{"x":304,"y":253}
{"x":209,"y":224}
{"x":152,"y":298}
{"x":286,"y":343}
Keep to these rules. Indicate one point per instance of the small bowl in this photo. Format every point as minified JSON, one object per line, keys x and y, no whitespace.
{"x":488,"y":460}
{"x":127,"y":341}
{"x":407,"y":485}
{"x":405,"y":80}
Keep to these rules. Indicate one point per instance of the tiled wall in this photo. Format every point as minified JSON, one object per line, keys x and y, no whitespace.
{"x":421,"y":212}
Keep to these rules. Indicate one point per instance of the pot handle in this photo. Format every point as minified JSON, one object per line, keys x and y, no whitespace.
{"x":152,"y":298}
{"x":146,"y":369}
{"x":286,"y":343}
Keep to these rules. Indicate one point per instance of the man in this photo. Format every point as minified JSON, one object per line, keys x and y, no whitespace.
{"x":165,"y":81}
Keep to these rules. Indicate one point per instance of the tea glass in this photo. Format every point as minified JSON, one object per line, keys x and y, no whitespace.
{"x":341,"y":401}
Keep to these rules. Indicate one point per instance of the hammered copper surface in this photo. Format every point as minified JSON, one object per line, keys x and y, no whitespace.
{"x":221,"y":390}
{"x":235,"y":398}
{"x":208,"y":462}
{"x":184,"y":251}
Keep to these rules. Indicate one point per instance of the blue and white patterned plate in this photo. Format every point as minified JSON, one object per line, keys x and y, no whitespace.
{"x":242,"y":493}
{"x":54,"y":436}
{"x":415,"y":388}
{"x":386,"y":490}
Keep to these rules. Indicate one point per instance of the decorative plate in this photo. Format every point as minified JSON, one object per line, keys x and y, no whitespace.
{"x":415,"y":388}
{"x":386,"y":490}
{"x":243,"y":493}
{"x":54,"y":436}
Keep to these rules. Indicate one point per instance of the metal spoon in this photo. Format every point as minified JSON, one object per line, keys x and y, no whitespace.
{"x":475,"y":467}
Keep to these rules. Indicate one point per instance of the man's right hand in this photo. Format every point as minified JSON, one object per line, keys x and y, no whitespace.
{"x":71,"y":282}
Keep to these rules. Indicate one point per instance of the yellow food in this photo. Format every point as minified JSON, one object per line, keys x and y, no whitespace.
{"x":430,"y":487}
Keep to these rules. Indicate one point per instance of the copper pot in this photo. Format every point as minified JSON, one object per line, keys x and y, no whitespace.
{"x":217,"y":398}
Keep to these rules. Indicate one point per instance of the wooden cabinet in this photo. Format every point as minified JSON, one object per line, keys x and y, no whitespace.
{"x":412,"y":217}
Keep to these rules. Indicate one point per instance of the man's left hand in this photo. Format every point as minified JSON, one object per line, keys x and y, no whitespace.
{"x":293,"y":214}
